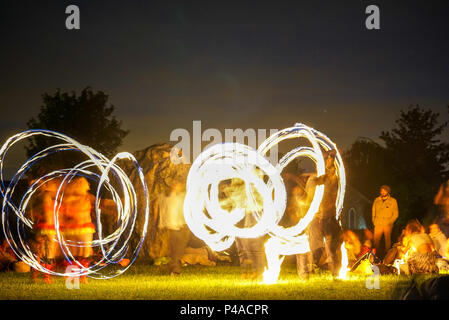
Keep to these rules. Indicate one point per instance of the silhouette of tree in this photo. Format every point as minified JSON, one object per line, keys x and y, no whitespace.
{"x":413,"y":160}
{"x":366,"y":166}
{"x":418,"y":159}
{"x":86,"y":118}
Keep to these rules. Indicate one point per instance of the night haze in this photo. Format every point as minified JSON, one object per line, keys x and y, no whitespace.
{"x":228,"y":64}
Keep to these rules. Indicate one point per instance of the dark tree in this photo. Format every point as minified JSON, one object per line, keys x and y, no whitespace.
{"x":87,"y":118}
{"x":418,"y":160}
{"x":413,"y":160}
{"x":366,"y":166}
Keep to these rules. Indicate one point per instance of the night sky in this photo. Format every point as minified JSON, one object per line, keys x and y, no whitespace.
{"x":229,"y":64}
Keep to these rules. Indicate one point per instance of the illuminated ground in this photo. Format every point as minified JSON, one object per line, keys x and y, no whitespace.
{"x":222,"y":282}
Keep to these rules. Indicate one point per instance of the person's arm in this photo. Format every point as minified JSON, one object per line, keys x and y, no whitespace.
{"x":322,"y":179}
{"x":373,"y":211}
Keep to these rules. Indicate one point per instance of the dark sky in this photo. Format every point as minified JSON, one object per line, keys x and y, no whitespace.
{"x":231,"y":64}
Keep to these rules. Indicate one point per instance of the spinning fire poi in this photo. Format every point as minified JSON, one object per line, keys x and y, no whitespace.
{"x":209,"y":221}
{"x":63,"y":222}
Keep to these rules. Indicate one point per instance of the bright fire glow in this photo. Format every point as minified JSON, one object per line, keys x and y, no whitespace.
{"x":217,"y":226}
{"x":274,"y":261}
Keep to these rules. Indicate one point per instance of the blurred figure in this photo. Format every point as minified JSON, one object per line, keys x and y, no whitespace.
{"x":439,"y":239}
{"x":441,"y":200}
{"x":171,"y":217}
{"x":296,"y":209}
{"x":76,"y":221}
{"x":367,"y":245}
{"x":42,"y":214}
{"x":252,"y":256}
{"x":324,"y":226}
{"x":384,"y":214}
{"x":251,"y":252}
{"x":420,"y":256}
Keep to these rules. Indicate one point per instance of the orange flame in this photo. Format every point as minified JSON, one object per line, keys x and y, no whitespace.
{"x":343,"y":274}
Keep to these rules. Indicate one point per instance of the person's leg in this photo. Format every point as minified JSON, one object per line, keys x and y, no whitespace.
{"x":239,"y":247}
{"x":178,"y":243}
{"x":85,"y":252}
{"x":316,"y":240}
{"x":378,"y":230}
{"x":387,"y":235}
{"x":332,"y":235}
{"x":39,"y":249}
{"x":243,"y":248}
{"x":302,"y":265}
{"x":258,"y":256}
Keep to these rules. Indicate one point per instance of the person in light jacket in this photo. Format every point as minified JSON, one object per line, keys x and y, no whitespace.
{"x":385,"y":212}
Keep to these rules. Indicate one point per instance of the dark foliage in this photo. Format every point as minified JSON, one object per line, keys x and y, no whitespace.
{"x":413,"y":161}
{"x":87,"y":118}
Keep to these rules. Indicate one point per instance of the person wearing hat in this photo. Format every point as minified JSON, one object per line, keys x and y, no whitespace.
{"x":384,"y":214}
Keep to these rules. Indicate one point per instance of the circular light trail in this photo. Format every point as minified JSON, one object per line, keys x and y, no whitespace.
{"x":97,"y":167}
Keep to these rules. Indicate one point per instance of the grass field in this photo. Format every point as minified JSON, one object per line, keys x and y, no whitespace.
{"x":208,"y":283}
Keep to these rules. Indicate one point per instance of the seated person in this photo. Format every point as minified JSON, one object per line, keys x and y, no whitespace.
{"x":439,"y":239}
{"x":420,"y":256}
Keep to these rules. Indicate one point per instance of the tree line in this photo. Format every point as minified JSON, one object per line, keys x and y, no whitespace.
{"x":412,"y":157}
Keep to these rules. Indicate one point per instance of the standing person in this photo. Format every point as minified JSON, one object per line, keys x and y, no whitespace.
{"x":171,"y":217}
{"x":384,"y":214}
{"x":324,"y":225}
{"x":251,"y":255}
{"x":251,"y":251}
{"x":42,"y":213}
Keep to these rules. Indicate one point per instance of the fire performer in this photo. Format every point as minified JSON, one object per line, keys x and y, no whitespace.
{"x":42,"y":214}
{"x":324,"y":226}
{"x":76,"y":221}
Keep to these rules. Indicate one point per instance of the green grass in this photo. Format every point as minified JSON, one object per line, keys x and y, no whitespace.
{"x":221,"y":282}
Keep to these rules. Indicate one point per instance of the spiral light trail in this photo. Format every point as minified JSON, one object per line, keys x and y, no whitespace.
{"x":221,"y":162}
{"x":98,"y":168}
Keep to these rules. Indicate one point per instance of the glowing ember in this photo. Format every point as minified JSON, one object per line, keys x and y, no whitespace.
{"x":343,"y":274}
